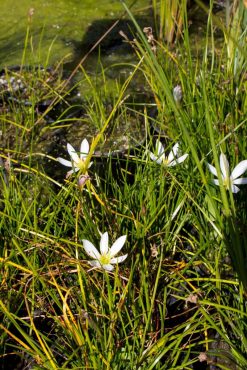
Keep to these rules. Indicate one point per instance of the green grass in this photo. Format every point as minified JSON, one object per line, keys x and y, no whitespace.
{"x":181,"y":293}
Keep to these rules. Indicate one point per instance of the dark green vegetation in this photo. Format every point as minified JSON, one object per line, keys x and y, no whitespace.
{"x":179,"y":299}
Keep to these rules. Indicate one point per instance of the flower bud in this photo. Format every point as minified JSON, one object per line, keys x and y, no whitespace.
{"x":177,"y":93}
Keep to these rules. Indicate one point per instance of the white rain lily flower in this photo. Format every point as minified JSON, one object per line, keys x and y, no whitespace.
{"x":173,"y":157}
{"x":229,"y":180}
{"x":106,"y":257}
{"x":77,"y":162}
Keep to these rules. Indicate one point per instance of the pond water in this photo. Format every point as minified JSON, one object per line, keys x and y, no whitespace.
{"x":58,"y":27}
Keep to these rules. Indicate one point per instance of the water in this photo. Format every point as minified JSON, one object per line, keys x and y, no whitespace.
{"x":57,"y":27}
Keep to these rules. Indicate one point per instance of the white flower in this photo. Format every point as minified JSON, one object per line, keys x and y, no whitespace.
{"x":177,"y":94}
{"x":229,"y":180}
{"x":173,"y":157}
{"x":77,"y":162}
{"x":106,"y":258}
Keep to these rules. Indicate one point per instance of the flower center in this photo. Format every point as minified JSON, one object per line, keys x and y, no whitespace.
{"x":80,"y":164}
{"x":227,"y":182}
{"x":105,"y":259}
{"x":166,"y":161}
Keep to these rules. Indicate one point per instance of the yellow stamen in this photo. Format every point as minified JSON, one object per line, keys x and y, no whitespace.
{"x":105,"y":259}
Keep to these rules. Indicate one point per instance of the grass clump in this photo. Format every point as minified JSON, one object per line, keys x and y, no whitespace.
{"x":178,"y":300}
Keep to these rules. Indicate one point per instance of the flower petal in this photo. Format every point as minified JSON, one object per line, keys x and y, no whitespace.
{"x":74,"y":169}
{"x":224,"y":166}
{"x":241,"y":181}
{"x":154,"y":158}
{"x":159,"y":148}
{"x":171,"y":164}
{"x":119,"y":259}
{"x":72,"y":153}
{"x":104,"y":243}
{"x":117,"y":245}
{"x":64,"y":162}
{"x":69,"y":173}
{"x":177,"y":160}
{"x":182,"y":158}
{"x":175,"y":149}
{"x":84,"y":149}
{"x":108,"y":267}
{"x":90,"y":249}
{"x":173,"y":153}
{"x":212,"y":169}
{"x":235,"y":189}
{"x":95,"y":263}
{"x":239,"y":169}
{"x":216,"y":182}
